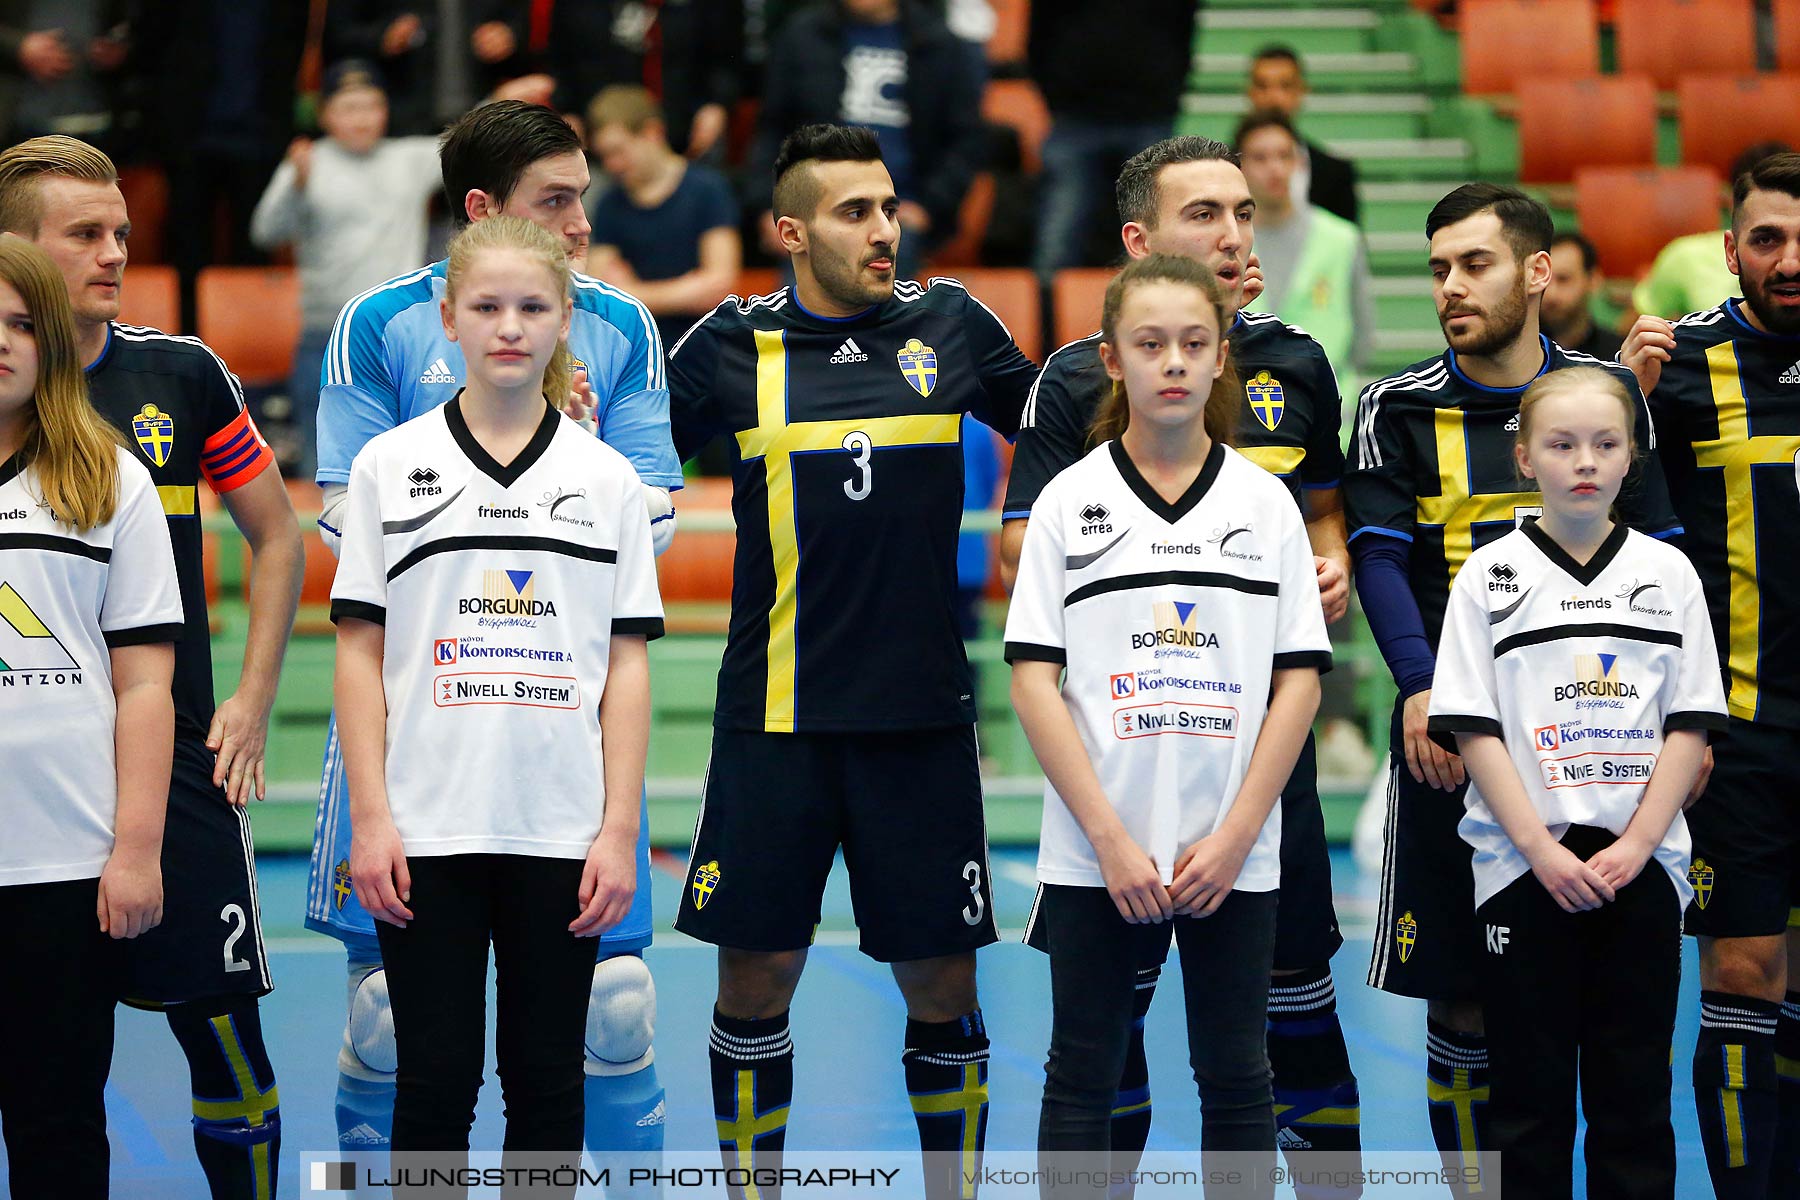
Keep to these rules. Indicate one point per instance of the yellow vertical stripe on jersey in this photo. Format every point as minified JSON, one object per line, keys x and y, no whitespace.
{"x":774,"y":441}
{"x":1736,"y":452}
{"x":1276,"y":460}
{"x":178,"y":500}
{"x":1453,"y":509}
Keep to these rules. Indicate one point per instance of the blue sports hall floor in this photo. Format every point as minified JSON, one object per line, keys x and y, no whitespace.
{"x":847,"y":1023}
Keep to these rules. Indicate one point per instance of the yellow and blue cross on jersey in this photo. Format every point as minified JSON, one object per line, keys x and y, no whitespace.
{"x":848,"y":494}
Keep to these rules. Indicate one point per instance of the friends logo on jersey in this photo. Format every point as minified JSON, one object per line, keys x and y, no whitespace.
{"x":1233,"y":541}
{"x":424,"y":482}
{"x":154,"y":430}
{"x":14,"y":514}
{"x":1266,"y":398}
{"x":1156,"y":679}
{"x":919,"y":364}
{"x":1597,"y":683}
{"x":490,"y":512}
{"x":30,"y":654}
{"x":508,"y":598}
{"x":1171,"y":716}
{"x":447,"y":652}
{"x":1645,"y":598}
{"x":566,"y":507}
{"x":1174,"y":631}
{"x":516,"y":688}
{"x":1585,"y":603}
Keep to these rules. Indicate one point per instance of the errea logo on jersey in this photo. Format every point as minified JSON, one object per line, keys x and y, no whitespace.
{"x":1095,"y":518}
{"x":424,"y":483}
{"x":438,"y":372}
{"x":849,"y":352}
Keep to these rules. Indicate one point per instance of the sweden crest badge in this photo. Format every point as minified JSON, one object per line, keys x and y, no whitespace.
{"x":918,"y":362}
{"x":155,"y":433}
{"x":1267,"y":400}
{"x":706,"y":880}
{"x":1406,"y":934}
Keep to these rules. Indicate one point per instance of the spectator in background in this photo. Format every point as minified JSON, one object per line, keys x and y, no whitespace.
{"x":353,"y":204}
{"x":1567,"y":312}
{"x":1689,"y":274}
{"x":1315,"y":264}
{"x":667,"y":230}
{"x":438,"y":57}
{"x":1278,"y":81}
{"x":687,"y":55}
{"x":893,"y":66}
{"x":1112,"y":75}
{"x":60,"y":67}
{"x":218,"y":82}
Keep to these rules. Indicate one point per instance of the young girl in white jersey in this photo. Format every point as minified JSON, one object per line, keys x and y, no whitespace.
{"x":493,"y":600}
{"x":89,"y":612}
{"x":1578,"y":677}
{"x":1172,"y":581}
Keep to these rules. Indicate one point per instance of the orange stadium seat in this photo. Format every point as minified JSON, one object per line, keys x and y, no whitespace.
{"x":757,"y":281}
{"x":1617,"y":126}
{"x":151,"y":296}
{"x":1721,"y":115}
{"x":694,"y":574}
{"x":1017,"y":104}
{"x":1659,"y":204}
{"x":964,"y":249}
{"x":1787,"y":34}
{"x":1012,"y":295}
{"x":1076,"y":297}
{"x":1666,"y":39}
{"x":146,"y":191}
{"x":1012,"y":30}
{"x":1505,"y":41}
{"x":251,"y":317}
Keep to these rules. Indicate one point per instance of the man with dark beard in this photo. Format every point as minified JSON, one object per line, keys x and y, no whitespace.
{"x":1431,"y":479}
{"x":1725,"y":388}
{"x":845,"y":714}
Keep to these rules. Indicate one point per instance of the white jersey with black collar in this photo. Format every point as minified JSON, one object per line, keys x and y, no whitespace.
{"x":1170,"y":620}
{"x":500,"y":588}
{"x":1581,"y":669}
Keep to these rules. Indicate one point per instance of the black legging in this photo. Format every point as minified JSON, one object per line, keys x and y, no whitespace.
{"x":1225,"y":963}
{"x":437,"y":980}
{"x":56,"y":1038}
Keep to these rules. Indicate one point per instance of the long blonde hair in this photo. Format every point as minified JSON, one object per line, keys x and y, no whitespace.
{"x":71,"y":450}
{"x":516,"y":233}
{"x":1227,"y":395}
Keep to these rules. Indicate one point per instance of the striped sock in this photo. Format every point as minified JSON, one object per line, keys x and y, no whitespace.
{"x":946,"y":1065}
{"x":1784,"y":1176}
{"x":1734,"y":1092}
{"x":1456,"y":1086}
{"x":1317,"y":1108}
{"x":752,"y":1084}
{"x":1131,"y":1105}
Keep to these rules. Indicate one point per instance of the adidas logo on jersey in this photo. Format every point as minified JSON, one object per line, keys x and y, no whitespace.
{"x":1792,"y":374}
{"x":655,"y":1116}
{"x":1512,"y":425}
{"x":438,"y":372}
{"x":1287,"y":1139}
{"x":849,"y":352}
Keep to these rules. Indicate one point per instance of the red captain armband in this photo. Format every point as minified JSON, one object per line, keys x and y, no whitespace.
{"x":235,"y":455}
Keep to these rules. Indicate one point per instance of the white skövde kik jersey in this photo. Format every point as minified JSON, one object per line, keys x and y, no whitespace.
{"x":66,"y":598}
{"x":1580,"y":670}
{"x":500,"y":589}
{"x":1170,"y":620}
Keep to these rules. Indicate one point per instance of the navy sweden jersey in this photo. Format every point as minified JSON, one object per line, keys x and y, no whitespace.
{"x":847,"y":473}
{"x":1433,"y":466}
{"x":1728,"y":426}
{"x":1288,"y":427}
{"x":183,"y":416}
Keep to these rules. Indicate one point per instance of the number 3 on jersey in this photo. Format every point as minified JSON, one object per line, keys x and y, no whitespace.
{"x":858,"y":443}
